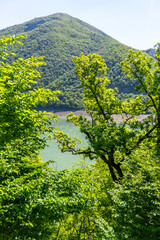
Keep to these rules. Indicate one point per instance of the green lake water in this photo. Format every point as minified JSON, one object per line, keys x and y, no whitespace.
{"x":52,"y":152}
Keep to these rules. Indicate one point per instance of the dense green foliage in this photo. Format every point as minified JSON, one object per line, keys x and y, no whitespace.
{"x":136,"y":203}
{"x":108,"y":140}
{"x":37,"y":203}
{"x":59,"y":37}
{"x":34,"y":199}
{"x":23,"y":207}
{"x":127,"y":211}
{"x":130,"y":210}
{"x":147,"y":73}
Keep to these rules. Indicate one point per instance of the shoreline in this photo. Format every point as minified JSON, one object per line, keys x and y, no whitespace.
{"x":116,"y":117}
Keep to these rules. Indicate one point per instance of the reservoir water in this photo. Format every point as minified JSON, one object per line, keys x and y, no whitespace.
{"x":52,"y":152}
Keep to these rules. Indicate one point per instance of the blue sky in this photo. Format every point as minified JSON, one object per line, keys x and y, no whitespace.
{"x":132,"y":22}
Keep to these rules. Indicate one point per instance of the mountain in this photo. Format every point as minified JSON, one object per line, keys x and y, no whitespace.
{"x":150,"y":52}
{"x":59,"y":37}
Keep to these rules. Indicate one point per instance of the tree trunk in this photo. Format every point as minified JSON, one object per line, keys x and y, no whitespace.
{"x":112,"y":167}
{"x":118,"y":169}
{"x":113,"y":175}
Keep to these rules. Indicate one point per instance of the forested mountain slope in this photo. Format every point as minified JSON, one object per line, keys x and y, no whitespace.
{"x":59,"y":37}
{"x":150,"y":52}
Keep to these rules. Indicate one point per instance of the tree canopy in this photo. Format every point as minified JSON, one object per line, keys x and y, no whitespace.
{"x":23,"y":133}
{"x":146,"y":71}
{"x":39,"y":203}
{"x":108,"y":140}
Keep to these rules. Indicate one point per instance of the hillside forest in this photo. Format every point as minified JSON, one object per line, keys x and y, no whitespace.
{"x":116,"y":196}
{"x":58,"y":38}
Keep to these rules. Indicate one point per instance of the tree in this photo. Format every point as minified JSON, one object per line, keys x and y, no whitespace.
{"x":146,"y":71}
{"x":20,"y":124}
{"x":34,"y":199}
{"x":108,"y":140}
{"x":25,"y":182}
{"x":136,"y":205}
{"x":89,"y":206}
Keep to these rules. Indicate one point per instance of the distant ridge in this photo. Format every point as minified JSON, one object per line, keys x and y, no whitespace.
{"x":59,"y":37}
{"x":40,"y":20}
{"x":150,"y":52}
